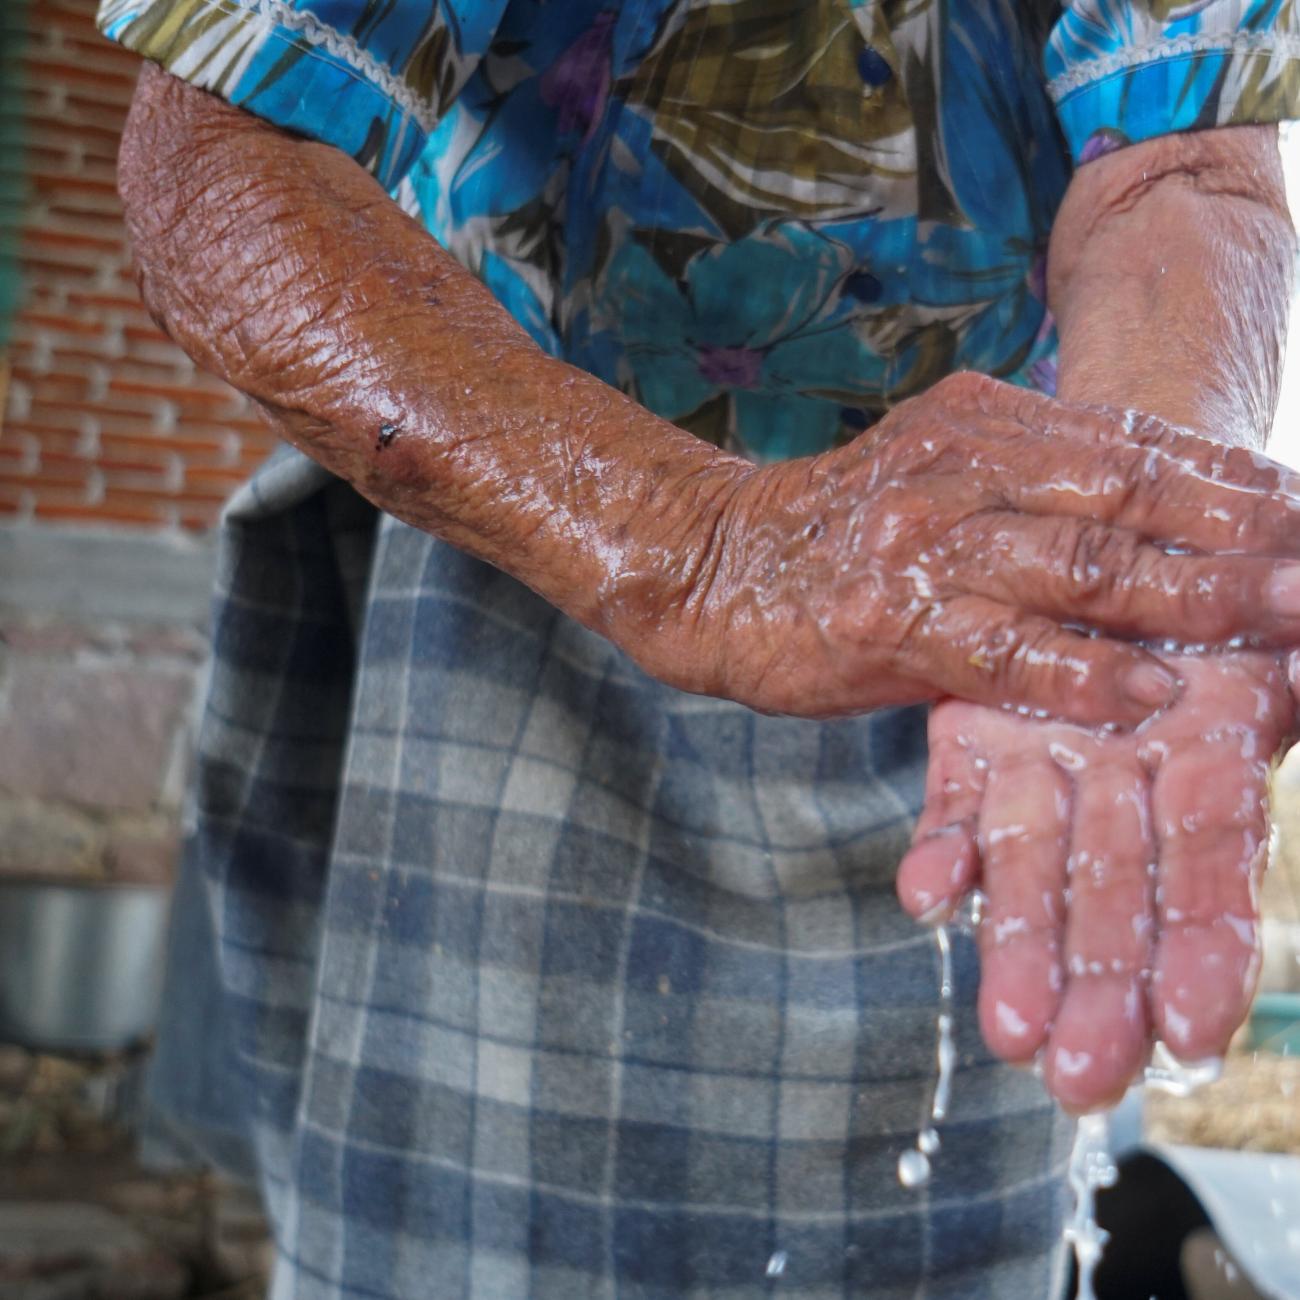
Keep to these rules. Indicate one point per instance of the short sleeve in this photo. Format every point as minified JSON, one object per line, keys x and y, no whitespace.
{"x":1120,"y":71}
{"x":370,"y":78}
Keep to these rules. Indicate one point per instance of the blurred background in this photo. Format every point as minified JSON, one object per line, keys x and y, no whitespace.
{"x":115,"y":458}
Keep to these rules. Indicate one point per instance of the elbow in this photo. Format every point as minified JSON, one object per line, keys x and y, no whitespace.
{"x":164,"y":149}
{"x":150,"y":160}
{"x":182,"y":167}
{"x":179,"y":155}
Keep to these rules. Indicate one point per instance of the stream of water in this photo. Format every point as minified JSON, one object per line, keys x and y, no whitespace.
{"x":1091,"y":1167}
{"x":914,"y":1163}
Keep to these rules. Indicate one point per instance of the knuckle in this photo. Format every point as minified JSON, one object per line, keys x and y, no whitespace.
{"x":961,"y":381}
{"x":1252,"y":522}
{"x":965,"y":387}
{"x":1151,"y":432}
{"x":909,"y":437}
{"x":1136,"y":470}
{"x":1034,"y":666}
{"x":1013,"y":654}
{"x":1132,"y":485}
{"x":1208,"y":607}
{"x":1097,"y":562}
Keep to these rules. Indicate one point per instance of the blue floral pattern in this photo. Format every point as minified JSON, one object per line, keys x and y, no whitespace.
{"x":767,"y":225}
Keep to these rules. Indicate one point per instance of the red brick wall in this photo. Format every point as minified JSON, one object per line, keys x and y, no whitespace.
{"x":105,"y":421}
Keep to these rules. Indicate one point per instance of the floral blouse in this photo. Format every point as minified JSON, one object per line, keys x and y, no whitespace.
{"x":767,"y":221}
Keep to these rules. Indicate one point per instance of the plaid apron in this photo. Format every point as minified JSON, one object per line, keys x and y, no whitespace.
{"x":513,"y":973}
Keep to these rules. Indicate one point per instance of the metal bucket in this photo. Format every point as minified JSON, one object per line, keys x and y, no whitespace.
{"x":80,"y":963}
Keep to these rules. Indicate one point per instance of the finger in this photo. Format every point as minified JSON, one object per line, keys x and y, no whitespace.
{"x":1133,"y":469}
{"x":1099,"y":1040}
{"x":1215,"y":461}
{"x":1139,"y":489}
{"x":1149,"y":490}
{"x":942,"y":865}
{"x":990,"y":653}
{"x":1211,"y":821}
{"x":1081,"y":571}
{"x":1023,"y":840}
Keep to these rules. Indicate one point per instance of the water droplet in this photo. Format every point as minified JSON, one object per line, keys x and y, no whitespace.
{"x":970,"y":912}
{"x":913,"y":1168}
{"x":776,"y":1265}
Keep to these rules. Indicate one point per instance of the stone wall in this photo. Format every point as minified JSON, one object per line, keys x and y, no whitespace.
{"x":101,"y":646}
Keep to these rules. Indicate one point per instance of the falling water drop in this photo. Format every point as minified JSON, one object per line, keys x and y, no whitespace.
{"x":1091,"y":1166}
{"x":914,"y":1164}
{"x":969,"y":913}
{"x":913,"y":1168}
{"x":945,"y":1050}
{"x":776,"y":1265}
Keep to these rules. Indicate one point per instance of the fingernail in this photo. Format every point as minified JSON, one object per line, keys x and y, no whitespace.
{"x":1283,"y":592}
{"x":1151,"y":686}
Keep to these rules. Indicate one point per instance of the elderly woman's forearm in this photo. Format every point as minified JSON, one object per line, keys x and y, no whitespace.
{"x":281,"y":266}
{"x":1170,"y":277}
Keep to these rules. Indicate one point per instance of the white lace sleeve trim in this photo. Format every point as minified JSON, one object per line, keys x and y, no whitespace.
{"x":1084,"y":74}
{"x":315,"y":32}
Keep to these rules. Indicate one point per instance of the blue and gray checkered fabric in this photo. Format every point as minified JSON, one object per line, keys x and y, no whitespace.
{"x":514,"y":974}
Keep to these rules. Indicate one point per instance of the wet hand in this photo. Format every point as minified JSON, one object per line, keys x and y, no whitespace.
{"x":1120,"y":871}
{"x":957,"y":547}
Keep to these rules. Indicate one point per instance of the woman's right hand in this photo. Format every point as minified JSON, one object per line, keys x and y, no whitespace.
{"x":942,"y":553}
{"x":988,"y":543}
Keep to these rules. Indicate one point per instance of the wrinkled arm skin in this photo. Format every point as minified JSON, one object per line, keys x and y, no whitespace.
{"x":280,"y":265}
{"x":1170,"y":274}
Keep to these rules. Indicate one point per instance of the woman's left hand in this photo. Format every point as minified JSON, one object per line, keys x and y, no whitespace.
{"x":1120,"y":870}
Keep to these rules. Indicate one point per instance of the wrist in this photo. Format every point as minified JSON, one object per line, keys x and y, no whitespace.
{"x":1170,"y":279}
{"x":666,"y":561}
